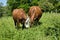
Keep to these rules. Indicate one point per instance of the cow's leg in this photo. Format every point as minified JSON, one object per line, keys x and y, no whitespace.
{"x":17,"y":24}
{"x":23,"y":26}
{"x":37,"y":21}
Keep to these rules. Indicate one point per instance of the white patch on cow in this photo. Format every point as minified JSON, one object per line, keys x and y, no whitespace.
{"x":27,"y":23}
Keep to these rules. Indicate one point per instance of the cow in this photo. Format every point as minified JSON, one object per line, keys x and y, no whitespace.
{"x":19,"y":16}
{"x":34,"y":14}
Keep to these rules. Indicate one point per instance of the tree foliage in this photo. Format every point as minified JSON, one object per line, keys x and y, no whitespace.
{"x":1,"y":9}
{"x":46,"y":5}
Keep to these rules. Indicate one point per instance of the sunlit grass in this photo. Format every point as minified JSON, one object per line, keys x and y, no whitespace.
{"x":45,"y":31}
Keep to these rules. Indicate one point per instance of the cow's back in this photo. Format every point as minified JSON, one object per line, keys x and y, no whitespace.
{"x":35,"y":10}
{"x":18,"y":14}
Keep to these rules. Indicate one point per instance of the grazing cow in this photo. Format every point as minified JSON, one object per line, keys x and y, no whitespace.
{"x":19,"y":16}
{"x":35,"y":14}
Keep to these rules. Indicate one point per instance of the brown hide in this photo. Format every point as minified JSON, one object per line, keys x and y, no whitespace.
{"x":19,"y":16}
{"x":35,"y":13}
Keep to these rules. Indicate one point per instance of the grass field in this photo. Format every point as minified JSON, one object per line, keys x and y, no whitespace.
{"x":49,"y":29}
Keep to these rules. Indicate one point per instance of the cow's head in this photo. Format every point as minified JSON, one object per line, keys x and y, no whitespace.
{"x":27,"y":22}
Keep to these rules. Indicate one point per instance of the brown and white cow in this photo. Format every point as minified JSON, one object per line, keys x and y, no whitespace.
{"x":19,"y":16}
{"x":35,"y":14}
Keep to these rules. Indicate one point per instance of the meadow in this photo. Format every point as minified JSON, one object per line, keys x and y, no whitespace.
{"x":49,"y":29}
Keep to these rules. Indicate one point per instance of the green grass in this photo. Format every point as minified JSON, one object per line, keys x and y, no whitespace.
{"x":49,"y":29}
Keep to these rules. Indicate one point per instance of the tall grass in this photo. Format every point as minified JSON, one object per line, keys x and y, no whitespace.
{"x":49,"y":29}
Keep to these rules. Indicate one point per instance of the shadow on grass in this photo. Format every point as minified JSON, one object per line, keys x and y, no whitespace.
{"x":33,"y":25}
{"x":36,"y":24}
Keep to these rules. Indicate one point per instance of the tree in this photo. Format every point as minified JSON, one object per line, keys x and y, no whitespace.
{"x":46,"y":5}
{"x":1,"y":9}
